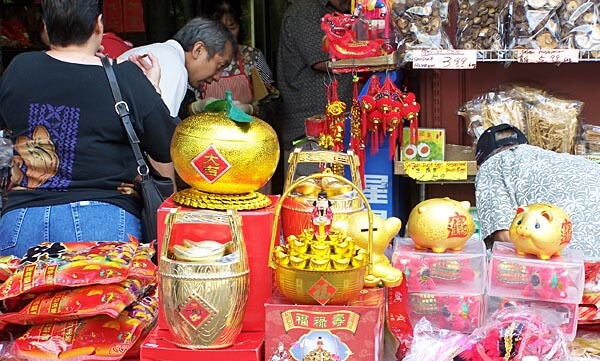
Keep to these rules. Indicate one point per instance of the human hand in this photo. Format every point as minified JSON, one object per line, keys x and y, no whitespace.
{"x":246,"y":108}
{"x":150,"y":67}
{"x":197,"y":106}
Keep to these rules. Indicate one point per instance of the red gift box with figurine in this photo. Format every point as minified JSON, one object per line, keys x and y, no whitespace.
{"x":257,"y":227}
{"x":330,"y":332}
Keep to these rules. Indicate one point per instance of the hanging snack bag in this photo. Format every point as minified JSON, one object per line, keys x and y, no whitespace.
{"x":96,"y":338}
{"x":53,"y":266}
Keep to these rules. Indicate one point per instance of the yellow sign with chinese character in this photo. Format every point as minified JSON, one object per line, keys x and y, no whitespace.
{"x":436,"y":171}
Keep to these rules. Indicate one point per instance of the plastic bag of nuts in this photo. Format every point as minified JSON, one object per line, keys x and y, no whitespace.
{"x":580,"y":27}
{"x":534,"y":24}
{"x":481,"y":24}
{"x":420,"y":24}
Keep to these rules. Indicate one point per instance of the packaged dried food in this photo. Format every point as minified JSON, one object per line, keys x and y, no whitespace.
{"x":534,"y":24}
{"x":491,"y":109}
{"x":420,"y":24}
{"x":481,"y":24}
{"x":553,"y":123}
{"x":580,"y":27}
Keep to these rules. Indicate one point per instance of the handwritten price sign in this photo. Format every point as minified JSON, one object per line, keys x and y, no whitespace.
{"x":444,"y":59}
{"x":436,"y":171}
{"x":548,"y":56}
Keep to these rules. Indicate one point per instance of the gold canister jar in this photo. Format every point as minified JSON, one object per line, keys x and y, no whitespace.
{"x":204,"y":302}
{"x":298,"y":206}
{"x":215,"y":154}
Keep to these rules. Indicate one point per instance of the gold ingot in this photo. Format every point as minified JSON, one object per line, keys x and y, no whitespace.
{"x":340,"y":263}
{"x":299,"y":246}
{"x":334,"y":236}
{"x":298,"y":262}
{"x":308,"y":234}
{"x":308,"y":188}
{"x":320,"y":248}
{"x":341,"y":247}
{"x":242,"y":146}
{"x":319,"y":263}
{"x":359,"y":260}
{"x":321,"y":237}
{"x":291,"y":239}
{"x":282,"y":258}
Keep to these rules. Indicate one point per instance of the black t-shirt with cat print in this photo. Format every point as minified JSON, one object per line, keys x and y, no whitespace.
{"x":70,"y":145}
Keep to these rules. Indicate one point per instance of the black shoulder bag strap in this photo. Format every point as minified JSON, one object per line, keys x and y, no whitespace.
{"x":122,"y":109}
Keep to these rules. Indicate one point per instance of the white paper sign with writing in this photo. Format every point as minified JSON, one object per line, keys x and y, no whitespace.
{"x":444,"y":59}
{"x":548,"y":56}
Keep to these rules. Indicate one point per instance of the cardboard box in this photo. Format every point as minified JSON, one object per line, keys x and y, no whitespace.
{"x":159,"y":346}
{"x":352,"y":332}
{"x":454,"y":272}
{"x":257,"y":229}
{"x":430,"y":145}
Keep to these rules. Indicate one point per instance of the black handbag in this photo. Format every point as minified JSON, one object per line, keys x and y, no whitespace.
{"x":153,"y":188}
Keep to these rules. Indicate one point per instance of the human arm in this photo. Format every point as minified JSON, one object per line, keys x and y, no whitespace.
{"x":150,"y":68}
{"x":496,"y":202}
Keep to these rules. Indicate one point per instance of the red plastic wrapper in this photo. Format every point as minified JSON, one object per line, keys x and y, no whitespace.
{"x":53,"y":266}
{"x":95,"y":338}
{"x":81,"y":302}
{"x":8,"y":266}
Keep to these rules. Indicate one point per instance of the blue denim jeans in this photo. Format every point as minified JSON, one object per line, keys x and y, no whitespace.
{"x":81,"y":221}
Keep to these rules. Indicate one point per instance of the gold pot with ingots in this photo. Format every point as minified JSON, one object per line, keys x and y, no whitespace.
{"x":215,"y":154}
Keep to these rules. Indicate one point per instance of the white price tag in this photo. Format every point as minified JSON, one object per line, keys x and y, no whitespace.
{"x":548,"y":55}
{"x":444,"y":59}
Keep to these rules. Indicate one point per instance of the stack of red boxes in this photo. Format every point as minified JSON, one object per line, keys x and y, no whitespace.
{"x":446,"y":288}
{"x":256,"y":228}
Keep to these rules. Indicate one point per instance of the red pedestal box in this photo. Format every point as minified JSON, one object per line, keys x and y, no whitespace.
{"x":315,"y":332}
{"x":159,"y":346}
{"x":257,"y":228}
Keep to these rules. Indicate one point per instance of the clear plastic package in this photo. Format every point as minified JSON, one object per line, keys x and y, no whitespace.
{"x":480,"y":24}
{"x":534,"y":24}
{"x":420,"y":24}
{"x":580,"y":27}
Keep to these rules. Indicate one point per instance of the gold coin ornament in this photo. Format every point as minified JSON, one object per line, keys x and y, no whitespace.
{"x":225,"y":162}
{"x":541,"y":229}
{"x":440,"y":224}
{"x":354,"y":231}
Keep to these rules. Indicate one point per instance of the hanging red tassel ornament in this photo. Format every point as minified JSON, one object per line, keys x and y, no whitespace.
{"x":390,"y":105}
{"x":357,"y":141}
{"x":411,"y":113}
{"x":370,"y":116}
{"x":334,"y":112}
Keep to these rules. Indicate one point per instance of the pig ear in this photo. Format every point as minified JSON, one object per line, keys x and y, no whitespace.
{"x":547,"y":215}
{"x":521,"y":210}
{"x":422,"y":209}
{"x":466,"y":205}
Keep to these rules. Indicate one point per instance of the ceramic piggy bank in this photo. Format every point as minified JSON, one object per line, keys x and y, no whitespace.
{"x":540,"y":229}
{"x":440,"y":224}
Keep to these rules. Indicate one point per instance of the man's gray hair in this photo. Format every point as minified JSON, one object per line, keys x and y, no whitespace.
{"x":212,"y":33}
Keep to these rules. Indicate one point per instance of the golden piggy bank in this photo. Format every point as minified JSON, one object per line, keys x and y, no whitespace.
{"x":440,"y":224}
{"x":540,"y":229}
